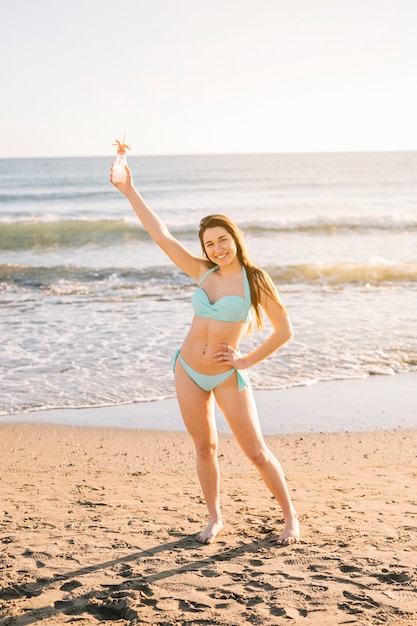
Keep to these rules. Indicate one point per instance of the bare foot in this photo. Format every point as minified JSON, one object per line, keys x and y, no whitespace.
{"x":208,"y":535}
{"x":291,"y":532}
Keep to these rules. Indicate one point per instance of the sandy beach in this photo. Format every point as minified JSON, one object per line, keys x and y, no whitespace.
{"x":98,"y":526}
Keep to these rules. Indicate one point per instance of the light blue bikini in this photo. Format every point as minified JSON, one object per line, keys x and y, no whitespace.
{"x":209,"y":382}
{"x":227,"y":309}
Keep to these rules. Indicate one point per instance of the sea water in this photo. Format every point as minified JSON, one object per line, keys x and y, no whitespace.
{"x":91,"y":310}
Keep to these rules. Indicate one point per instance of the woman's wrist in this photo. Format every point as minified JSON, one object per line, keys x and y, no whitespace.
{"x":131,"y":193}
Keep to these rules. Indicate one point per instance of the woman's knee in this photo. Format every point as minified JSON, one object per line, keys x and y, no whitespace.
{"x":257,"y":454}
{"x":205,"y":448}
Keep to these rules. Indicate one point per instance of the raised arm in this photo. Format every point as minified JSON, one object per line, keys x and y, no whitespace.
{"x":158,"y":231}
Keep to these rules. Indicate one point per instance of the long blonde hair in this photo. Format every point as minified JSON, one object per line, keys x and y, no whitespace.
{"x":258,"y":279}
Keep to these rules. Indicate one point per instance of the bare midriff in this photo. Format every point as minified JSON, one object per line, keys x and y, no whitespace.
{"x":203,"y":341}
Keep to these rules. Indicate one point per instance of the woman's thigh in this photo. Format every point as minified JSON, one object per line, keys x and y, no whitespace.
{"x":240,"y":411}
{"x":196,"y":406}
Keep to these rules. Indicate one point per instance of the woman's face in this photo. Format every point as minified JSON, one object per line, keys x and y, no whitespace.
{"x":219,"y":245}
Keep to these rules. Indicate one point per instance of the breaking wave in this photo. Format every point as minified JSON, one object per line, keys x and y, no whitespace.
{"x":66,"y":233}
{"x":166,"y":282}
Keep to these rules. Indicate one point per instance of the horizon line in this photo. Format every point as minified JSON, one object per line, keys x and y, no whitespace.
{"x":204,"y":154}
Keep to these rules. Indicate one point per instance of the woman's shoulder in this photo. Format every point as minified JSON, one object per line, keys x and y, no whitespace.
{"x":258,"y":273}
{"x":262,"y":280}
{"x":205,"y":269}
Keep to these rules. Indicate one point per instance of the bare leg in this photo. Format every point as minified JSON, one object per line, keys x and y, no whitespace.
{"x":240,"y":411}
{"x":197,"y":409}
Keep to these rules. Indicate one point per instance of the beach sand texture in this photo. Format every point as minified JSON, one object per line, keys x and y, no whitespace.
{"x":98,"y":525}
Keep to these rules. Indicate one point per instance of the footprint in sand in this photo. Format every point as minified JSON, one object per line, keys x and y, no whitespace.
{"x":40,"y":558}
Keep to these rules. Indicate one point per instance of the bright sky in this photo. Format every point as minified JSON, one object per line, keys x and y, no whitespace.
{"x":207,"y":76}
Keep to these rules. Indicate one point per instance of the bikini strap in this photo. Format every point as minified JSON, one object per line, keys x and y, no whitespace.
{"x":212,"y":269}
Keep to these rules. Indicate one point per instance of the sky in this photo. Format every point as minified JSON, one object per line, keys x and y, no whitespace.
{"x":203,"y":77}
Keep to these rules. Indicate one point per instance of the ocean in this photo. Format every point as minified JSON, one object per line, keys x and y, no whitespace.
{"x":91,"y":310}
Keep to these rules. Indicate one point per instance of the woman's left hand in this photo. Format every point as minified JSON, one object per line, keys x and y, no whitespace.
{"x":229,"y":356}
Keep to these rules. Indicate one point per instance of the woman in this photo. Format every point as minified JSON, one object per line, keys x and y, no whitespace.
{"x":209,"y":367}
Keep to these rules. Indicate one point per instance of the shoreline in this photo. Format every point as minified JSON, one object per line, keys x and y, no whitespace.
{"x":353,"y":405}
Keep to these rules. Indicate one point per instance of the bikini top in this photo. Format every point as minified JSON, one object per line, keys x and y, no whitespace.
{"x":226,"y":309}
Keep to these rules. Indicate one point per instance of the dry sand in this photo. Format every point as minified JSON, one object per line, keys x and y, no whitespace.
{"x":98,"y":526}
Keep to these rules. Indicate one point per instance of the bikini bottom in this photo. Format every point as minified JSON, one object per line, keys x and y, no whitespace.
{"x":210,"y":382}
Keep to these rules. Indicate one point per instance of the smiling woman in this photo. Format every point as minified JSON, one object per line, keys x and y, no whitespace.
{"x":209,"y":367}
{"x":220,"y":238}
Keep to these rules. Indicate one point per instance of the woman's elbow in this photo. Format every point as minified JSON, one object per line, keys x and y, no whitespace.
{"x":283,"y":335}
{"x":288,"y":332}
